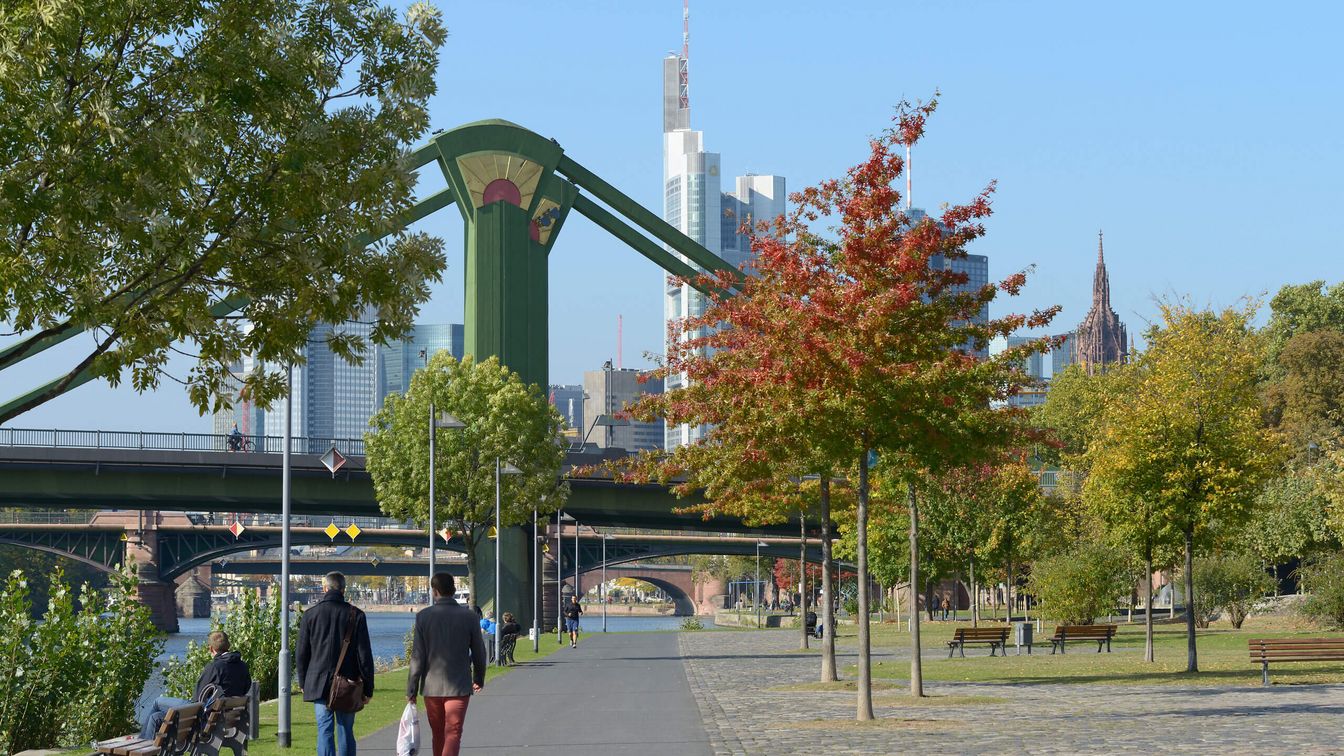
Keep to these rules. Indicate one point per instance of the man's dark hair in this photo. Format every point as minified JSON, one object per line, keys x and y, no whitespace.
{"x":443,"y":584}
{"x":334,"y":581}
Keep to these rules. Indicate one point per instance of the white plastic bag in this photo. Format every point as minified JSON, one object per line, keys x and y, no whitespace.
{"x":408,"y":733}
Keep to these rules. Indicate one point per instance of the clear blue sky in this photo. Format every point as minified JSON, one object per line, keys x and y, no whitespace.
{"x":1208,"y":143}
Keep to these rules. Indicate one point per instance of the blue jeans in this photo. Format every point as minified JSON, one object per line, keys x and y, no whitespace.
{"x":335,"y":731}
{"x":154,"y":715}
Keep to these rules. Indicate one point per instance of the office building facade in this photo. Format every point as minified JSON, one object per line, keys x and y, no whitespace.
{"x":568,"y":400}
{"x":610,"y":392}
{"x":398,"y":361}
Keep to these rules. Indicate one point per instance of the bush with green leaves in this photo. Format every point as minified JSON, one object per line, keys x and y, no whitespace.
{"x":76,"y":675}
{"x":692,"y":623}
{"x":1077,"y":586}
{"x":253,"y":625}
{"x":1229,"y":583}
{"x":1323,"y":581}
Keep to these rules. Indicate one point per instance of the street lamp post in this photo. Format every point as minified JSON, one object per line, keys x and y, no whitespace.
{"x":759,"y":544}
{"x":282,"y":734}
{"x":444,"y":420}
{"x":536,"y":583}
{"x":559,"y":582}
{"x":605,"y":538}
{"x":501,"y":468}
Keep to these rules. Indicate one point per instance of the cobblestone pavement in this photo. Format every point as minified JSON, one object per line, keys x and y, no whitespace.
{"x":732,"y":674}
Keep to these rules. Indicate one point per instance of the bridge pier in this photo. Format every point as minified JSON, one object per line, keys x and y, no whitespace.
{"x":159,"y":596}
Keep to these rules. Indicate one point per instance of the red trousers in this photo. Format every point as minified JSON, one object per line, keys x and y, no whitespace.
{"x":446,"y":715}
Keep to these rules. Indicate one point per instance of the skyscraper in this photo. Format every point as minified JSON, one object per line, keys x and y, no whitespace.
{"x":1033,"y":366}
{"x":1101,"y":337}
{"x":1063,"y":355}
{"x":976,"y":269}
{"x":568,"y":400}
{"x":695,"y":204}
{"x":399,"y":360}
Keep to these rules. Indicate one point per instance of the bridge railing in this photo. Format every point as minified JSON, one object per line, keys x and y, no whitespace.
{"x":167,"y":441}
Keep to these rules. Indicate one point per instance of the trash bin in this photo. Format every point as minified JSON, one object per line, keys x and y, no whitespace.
{"x":1022,"y":634}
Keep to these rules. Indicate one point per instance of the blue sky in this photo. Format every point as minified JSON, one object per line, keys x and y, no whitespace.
{"x":1208,"y":143}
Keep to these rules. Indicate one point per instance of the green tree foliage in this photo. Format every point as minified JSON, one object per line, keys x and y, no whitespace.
{"x":75,"y":675}
{"x":39,"y":568}
{"x":1306,"y":401}
{"x":1323,"y":579}
{"x":253,"y":625}
{"x":1186,"y":441}
{"x":158,"y":156}
{"x":1077,"y":586}
{"x":1229,"y":583}
{"x":505,"y":420}
{"x":1302,"y":308}
{"x":1288,"y":521}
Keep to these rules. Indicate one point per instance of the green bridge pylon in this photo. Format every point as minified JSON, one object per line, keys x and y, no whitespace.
{"x":515,"y":189}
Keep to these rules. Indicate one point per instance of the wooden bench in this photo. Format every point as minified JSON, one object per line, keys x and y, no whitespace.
{"x":996,"y":637}
{"x":225,"y":725}
{"x":506,"y":645}
{"x":1277,"y":650}
{"x":1102,"y":634}
{"x":174,"y":737}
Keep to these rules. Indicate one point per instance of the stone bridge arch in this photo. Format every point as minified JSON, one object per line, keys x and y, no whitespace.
{"x":673,"y":579}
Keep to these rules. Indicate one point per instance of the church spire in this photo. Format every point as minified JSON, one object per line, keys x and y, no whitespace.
{"x":1101,"y":283}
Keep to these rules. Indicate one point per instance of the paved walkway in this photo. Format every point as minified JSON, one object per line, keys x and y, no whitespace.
{"x":618,"y":693}
{"x":732,"y":676}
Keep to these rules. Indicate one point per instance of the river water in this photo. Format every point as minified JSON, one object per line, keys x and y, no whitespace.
{"x":387,"y":635}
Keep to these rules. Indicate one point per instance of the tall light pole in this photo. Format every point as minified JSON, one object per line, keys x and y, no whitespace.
{"x":559,"y":582}
{"x":501,"y":468}
{"x":444,"y":420}
{"x":536,"y":583}
{"x":605,"y":537}
{"x":577,"y":594}
{"x":759,"y":545}
{"x":282,"y":734}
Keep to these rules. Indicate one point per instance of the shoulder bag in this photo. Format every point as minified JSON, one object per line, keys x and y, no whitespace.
{"x":346,"y":695}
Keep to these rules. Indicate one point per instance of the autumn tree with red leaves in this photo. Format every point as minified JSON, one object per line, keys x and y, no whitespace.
{"x":853,"y":339}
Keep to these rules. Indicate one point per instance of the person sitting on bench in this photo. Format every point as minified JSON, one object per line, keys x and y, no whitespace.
{"x":226,"y":674}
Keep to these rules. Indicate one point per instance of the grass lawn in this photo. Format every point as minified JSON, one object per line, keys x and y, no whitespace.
{"x":1223,"y":657}
{"x":389,"y":699}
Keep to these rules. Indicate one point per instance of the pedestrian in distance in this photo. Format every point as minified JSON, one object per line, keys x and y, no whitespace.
{"x":226,"y":675}
{"x":448,"y":661}
{"x":946,"y":606}
{"x":334,"y":654}
{"x":572,"y":613}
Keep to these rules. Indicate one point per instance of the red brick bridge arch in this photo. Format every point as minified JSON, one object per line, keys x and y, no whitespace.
{"x":688,"y":597}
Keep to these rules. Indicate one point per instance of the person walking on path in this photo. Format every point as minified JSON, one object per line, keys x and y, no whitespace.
{"x":321,"y":636}
{"x":447,"y":664}
{"x":226,"y":675}
{"x":572,"y":613}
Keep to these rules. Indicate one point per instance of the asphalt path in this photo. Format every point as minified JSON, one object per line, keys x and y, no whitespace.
{"x":617,"y":693}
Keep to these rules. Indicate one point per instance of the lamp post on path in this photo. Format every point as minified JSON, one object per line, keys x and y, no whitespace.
{"x":605,"y":537}
{"x":501,"y":468}
{"x":759,"y":544}
{"x":282,"y":734}
{"x":560,"y":517}
{"x":443,"y":420}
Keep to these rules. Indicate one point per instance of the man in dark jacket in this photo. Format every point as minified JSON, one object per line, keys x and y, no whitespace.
{"x":320,"y":636}
{"x":447,"y":664}
{"x":226,"y":675}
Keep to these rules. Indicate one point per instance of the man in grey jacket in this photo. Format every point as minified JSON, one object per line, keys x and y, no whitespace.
{"x":447,"y":664}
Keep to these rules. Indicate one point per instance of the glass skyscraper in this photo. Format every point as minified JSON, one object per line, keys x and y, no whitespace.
{"x":399,"y":360}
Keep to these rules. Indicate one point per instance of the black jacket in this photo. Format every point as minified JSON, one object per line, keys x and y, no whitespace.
{"x":573,"y":610}
{"x":228,"y":672}
{"x":509,"y":628}
{"x":320,"y":636}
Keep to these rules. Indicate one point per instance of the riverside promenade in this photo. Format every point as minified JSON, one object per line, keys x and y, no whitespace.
{"x":617,"y":693}
{"x":737,"y":692}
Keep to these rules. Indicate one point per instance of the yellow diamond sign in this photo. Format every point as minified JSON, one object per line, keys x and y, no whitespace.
{"x":332,"y":531}
{"x":445,"y":534}
{"x":353,"y":531}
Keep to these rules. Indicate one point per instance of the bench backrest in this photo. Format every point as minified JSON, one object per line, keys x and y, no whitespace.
{"x":179,"y":724}
{"x":1289,"y":648}
{"x":1085,"y":632}
{"x":224,"y":714}
{"x":980,"y":633}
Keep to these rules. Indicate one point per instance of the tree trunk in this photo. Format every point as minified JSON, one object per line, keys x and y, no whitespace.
{"x":1148,"y":603}
{"x":1008,"y":592}
{"x":1192,"y":655}
{"x":975,"y":596}
{"x":802,"y":576}
{"x":827,"y":586}
{"x":916,"y":666}
{"x":956,"y":595}
{"x":865,"y":689}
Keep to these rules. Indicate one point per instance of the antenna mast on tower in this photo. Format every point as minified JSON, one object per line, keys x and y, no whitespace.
{"x":684,"y":84}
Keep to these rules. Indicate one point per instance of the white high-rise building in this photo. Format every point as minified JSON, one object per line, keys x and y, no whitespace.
{"x":693,"y":202}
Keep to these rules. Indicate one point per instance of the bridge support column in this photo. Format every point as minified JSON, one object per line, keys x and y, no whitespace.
{"x":159,"y":596}
{"x":193,"y":598}
{"x":515,"y":583}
